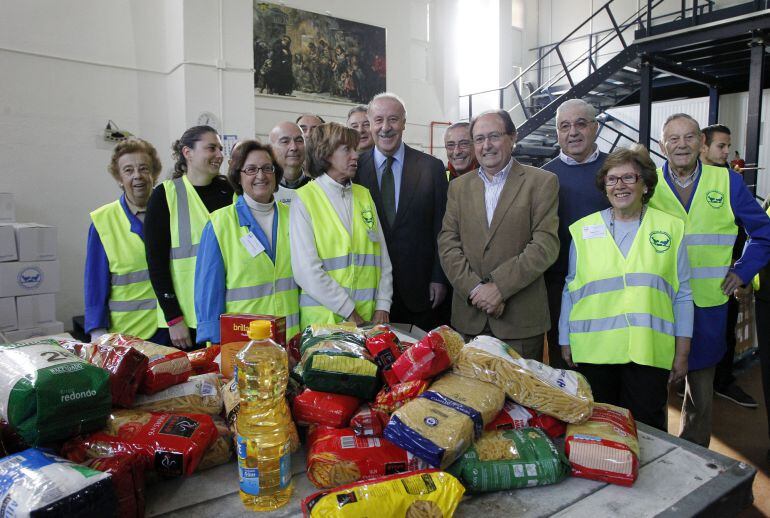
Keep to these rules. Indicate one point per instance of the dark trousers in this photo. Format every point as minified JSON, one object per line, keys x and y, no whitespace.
{"x":723,"y":376}
{"x":641,"y":389}
{"x":762,"y":308}
{"x":425,"y":320}
{"x":554,"y":285}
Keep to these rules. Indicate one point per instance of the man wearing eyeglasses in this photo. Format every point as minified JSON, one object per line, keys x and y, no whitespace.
{"x":576,"y":166}
{"x":288,"y":144}
{"x":713,"y":202}
{"x":499,"y":236}
{"x":460,"y":154}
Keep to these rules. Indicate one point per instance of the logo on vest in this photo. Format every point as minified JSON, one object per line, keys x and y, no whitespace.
{"x":715,"y":198}
{"x":660,"y":241}
{"x":368,"y":218}
{"x":30,"y":278}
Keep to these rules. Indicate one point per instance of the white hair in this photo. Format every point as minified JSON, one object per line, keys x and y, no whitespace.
{"x":387,"y":95}
{"x":679,"y":116}
{"x":589,"y":110}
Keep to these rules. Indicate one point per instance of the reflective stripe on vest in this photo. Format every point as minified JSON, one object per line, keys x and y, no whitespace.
{"x":710,"y":230}
{"x":255,"y":284}
{"x":353,"y":261}
{"x":623,"y":309}
{"x":187,"y":217}
{"x":132,"y":304}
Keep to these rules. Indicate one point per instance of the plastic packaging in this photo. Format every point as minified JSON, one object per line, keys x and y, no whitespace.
{"x":367,"y":422}
{"x":385,"y":348}
{"x":510,"y":459}
{"x":35,"y":483}
{"x":197,"y":395}
{"x":49,"y":394}
{"x":421,"y":494}
{"x":390,"y":399}
{"x":514,"y":416}
{"x":221,"y":451}
{"x":605,"y":447}
{"x":431,"y":355}
{"x":324,"y":408}
{"x":563,"y":394}
{"x":203,"y":361}
{"x":264,"y":422}
{"x":128,"y":481}
{"x":443,"y":422}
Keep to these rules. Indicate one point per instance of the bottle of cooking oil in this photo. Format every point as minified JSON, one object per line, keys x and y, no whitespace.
{"x":264,"y":420}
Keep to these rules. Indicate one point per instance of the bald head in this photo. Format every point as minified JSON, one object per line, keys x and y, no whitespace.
{"x":289,"y":147}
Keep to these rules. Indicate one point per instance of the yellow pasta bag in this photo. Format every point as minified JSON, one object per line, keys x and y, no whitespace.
{"x":563,"y":394}
{"x":419,"y":494}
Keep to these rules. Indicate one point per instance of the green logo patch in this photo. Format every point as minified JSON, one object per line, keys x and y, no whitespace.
{"x":660,"y":241}
{"x":368,"y":218}
{"x":715,"y":198}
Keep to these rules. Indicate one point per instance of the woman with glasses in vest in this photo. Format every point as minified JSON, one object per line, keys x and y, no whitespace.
{"x":178,"y":210}
{"x":117,"y":291}
{"x":244,"y":259}
{"x":338,"y":251}
{"x":627,"y":311}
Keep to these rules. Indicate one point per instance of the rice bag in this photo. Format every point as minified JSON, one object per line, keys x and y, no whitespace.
{"x":35,"y":483}
{"x":197,"y":395}
{"x":337,"y":456}
{"x":128,"y":481}
{"x":367,"y":422}
{"x":390,"y":399}
{"x":514,"y":416}
{"x":324,"y":408}
{"x":510,"y":459}
{"x":563,"y":394}
{"x":339,"y":363}
{"x":203,"y":361}
{"x":419,"y":494}
{"x":385,"y":347}
{"x":167,"y":366}
{"x":48,"y":394}
{"x":431,"y":355}
{"x":442,"y":423}
{"x":605,"y":447}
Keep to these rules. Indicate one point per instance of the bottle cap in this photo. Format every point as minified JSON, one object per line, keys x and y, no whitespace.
{"x":259,"y":329}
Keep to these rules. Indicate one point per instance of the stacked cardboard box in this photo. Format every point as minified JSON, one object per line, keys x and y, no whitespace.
{"x":29,"y":276}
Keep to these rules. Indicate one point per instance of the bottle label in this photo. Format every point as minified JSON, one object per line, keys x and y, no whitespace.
{"x":248,"y":476}
{"x":285,"y":469}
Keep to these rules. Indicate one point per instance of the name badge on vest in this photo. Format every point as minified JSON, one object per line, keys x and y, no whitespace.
{"x":252,"y":244}
{"x":594,"y":231}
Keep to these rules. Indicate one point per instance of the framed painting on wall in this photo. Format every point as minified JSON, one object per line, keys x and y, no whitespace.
{"x":310,"y":55}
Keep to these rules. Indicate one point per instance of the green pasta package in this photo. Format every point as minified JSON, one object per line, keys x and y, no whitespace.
{"x":510,"y":459}
{"x":48,"y":394}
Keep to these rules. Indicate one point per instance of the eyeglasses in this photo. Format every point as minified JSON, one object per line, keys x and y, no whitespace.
{"x":628,"y":179}
{"x":494,"y":138}
{"x":463,"y":144}
{"x":267,"y":170}
{"x":579,"y":125}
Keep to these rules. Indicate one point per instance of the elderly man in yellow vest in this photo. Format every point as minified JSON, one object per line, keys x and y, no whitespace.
{"x":712,"y":202}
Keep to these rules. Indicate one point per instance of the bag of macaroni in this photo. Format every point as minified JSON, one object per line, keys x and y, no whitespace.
{"x":324,"y":408}
{"x":431,"y":355}
{"x":514,"y":416}
{"x":385,"y":347}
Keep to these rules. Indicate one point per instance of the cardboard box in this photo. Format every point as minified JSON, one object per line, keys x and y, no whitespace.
{"x":7,"y":207}
{"x":8,"y":319}
{"x":233,"y":335}
{"x":35,"y":242}
{"x":22,"y":334}
{"x":8,"y":250}
{"x":35,"y":310}
{"x":18,"y":279}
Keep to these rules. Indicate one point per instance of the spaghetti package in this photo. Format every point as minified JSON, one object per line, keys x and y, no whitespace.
{"x":167,"y":366}
{"x":563,"y":394}
{"x":197,"y":395}
{"x":510,"y":459}
{"x":125,"y":365}
{"x":420,"y":494}
{"x":514,"y":416}
{"x":367,"y":422}
{"x":49,"y":394}
{"x":128,"y":481}
{"x":339,"y":363}
{"x":173,"y":444}
{"x":324,"y":408}
{"x":203,"y":361}
{"x":605,"y":447}
{"x":385,"y":347}
{"x":443,"y":422}
{"x":391,"y":398}
{"x":221,"y":450}
{"x":431,"y":355}
{"x":337,"y":456}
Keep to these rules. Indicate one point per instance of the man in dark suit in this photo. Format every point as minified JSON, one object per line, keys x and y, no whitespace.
{"x":409,"y":188}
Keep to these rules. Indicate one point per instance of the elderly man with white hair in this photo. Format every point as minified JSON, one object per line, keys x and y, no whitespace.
{"x":576,"y":166}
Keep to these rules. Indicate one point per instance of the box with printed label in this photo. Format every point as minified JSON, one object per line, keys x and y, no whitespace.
{"x":8,"y":243}
{"x":8,"y":320}
{"x":18,"y":279}
{"x":35,"y":310}
{"x":7,"y":207}
{"x":35,"y":242}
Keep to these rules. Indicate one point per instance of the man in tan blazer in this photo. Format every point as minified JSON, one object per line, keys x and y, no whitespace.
{"x":499,"y":235}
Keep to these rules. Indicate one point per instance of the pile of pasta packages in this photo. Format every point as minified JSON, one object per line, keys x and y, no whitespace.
{"x":390,"y":427}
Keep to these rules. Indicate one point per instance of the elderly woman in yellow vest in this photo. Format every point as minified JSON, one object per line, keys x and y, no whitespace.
{"x":338,"y":251}
{"x":244,"y":259}
{"x":178,"y":210}
{"x":117,"y":291}
{"x":627,"y":312}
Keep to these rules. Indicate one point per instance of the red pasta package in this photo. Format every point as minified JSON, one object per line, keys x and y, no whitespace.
{"x":127,"y":471}
{"x":336,"y":456}
{"x":515,"y":416}
{"x":390,"y":399}
{"x":203,"y":360}
{"x":324,"y":408}
{"x":127,"y":367}
{"x":430,"y":356}
{"x":385,"y":348}
{"x":605,"y":447}
{"x":172,"y":444}
{"x":367,"y":422}
{"x":167,"y":366}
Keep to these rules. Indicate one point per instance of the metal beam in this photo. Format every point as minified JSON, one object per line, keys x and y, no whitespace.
{"x":713,"y":105}
{"x":645,"y":103}
{"x":756,"y":73}
{"x":683,"y":72}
